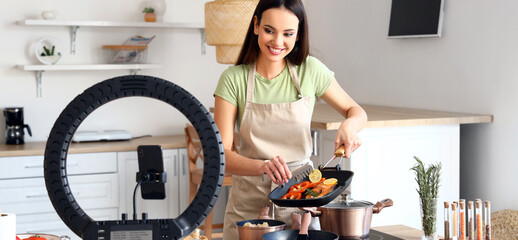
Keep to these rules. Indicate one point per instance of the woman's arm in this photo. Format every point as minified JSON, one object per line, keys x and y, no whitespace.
{"x":225,"y":115}
{"x":355,"y":117}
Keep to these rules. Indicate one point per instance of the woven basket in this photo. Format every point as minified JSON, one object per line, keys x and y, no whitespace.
{"x":226,"y":24}
{"x":504,"y":225}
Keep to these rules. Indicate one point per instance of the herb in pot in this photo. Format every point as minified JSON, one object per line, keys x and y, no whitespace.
{"x":428,"y":188}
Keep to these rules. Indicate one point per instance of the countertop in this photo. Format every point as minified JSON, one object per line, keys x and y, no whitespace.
{"x":400,"y":231}
{"x":38,"y":148}
{"x":326,"y":118}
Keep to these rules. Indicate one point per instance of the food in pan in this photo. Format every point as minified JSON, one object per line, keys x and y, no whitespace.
{"x":249,"y":224}
{"x":309,"y":190}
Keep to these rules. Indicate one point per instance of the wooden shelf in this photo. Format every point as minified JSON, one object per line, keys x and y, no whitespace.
{"x":39,"y":69}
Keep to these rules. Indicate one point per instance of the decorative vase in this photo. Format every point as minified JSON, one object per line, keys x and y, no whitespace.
{"x":429,"y":218}
{"x":160,"y":7}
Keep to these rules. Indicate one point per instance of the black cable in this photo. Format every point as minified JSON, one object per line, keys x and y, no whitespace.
{"x":135,"y":199}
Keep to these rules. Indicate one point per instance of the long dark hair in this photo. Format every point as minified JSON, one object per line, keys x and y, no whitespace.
{"x":250,"y":51}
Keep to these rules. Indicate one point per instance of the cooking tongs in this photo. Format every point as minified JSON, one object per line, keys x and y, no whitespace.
{"x":340,"y":152}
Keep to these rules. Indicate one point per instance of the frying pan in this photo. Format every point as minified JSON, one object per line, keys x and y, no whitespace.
{"x":293,"y":235}
{"x":344,"y":179}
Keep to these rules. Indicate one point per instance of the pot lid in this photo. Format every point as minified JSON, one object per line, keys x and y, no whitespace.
{"x":351,"y":204}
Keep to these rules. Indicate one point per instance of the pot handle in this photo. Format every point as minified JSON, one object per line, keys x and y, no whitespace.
{"x":387,"y":202}
{"x":313,"y":211}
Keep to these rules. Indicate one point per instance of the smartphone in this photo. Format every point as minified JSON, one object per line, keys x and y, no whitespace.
{"x":151,"y":161}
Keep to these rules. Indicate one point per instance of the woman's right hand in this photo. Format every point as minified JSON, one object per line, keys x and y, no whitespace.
{"x":277,"y":170}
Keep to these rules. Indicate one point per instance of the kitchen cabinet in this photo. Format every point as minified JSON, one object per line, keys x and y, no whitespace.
{"x":94,"y":183}
{"x":177,"y":192}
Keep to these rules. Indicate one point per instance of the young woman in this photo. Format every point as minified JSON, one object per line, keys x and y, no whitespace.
{"x":269,"y":95}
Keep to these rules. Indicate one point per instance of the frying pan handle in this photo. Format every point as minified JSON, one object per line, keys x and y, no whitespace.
{"x":387,"y":202}
{"x":340,"y":152}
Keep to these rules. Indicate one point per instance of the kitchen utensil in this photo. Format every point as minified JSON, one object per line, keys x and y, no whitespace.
{"x":46,"y":236}
{"x":255,"y":233}
{"x":293,"y":235}
{"x":15,"y":126}
{"x":344,"y":179}
{"x":340,"y":152}
{"x":302,"y":172}
{"x":349,"y":218}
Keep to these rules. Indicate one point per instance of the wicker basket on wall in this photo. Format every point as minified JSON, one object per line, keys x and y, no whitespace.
{"x":226,"y":24}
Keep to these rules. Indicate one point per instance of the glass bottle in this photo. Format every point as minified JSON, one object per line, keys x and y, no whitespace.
{"x":480,"y":224}
{"x":447,"y":220}
{"x":471,"y":222}
{"x":462,"y":219}
{"x":487,"y":219}
{"x":454,"y":220}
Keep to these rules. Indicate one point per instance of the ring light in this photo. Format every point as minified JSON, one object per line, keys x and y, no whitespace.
{"x":128,"y":86}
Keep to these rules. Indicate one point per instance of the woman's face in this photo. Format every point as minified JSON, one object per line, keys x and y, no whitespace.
{"x":277,"y":33}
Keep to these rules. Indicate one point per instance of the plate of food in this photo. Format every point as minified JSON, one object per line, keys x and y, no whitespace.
{"x":311,"y":191}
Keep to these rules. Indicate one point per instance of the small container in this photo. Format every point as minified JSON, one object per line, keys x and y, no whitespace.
{"x":126,"y":54}
{"x":487,"y":217}
{"x":480,"y":224}
{"x":471,"y":221}
{"x":447,"y":220}
{"x":455,"y":220}
{"x":462,"y":219}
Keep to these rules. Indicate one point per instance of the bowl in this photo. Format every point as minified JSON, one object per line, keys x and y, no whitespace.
{"x":256,"y":233}
{"x":46,"y":236}
{"x":49,"y":14}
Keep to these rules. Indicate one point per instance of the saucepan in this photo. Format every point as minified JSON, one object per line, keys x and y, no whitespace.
{"x":349,"y":218}
{"x":255,"y":233}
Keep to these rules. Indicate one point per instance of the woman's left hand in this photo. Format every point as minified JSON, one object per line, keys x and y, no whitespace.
{"x":347,"y":136}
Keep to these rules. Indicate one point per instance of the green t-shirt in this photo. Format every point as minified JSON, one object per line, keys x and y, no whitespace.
{"x":313,"y":75}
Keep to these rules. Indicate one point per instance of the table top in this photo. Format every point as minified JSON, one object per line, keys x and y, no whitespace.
{"x":326,"y":118}
{"x":38,"y":148}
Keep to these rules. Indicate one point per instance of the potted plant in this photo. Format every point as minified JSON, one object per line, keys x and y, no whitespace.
{"x":149,"y":14}
{"x":427,"y":179}
{"x":48,"y":56}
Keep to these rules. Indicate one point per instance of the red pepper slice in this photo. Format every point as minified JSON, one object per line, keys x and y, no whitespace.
{"x":292,"y":195}
{"x":301,"y":187}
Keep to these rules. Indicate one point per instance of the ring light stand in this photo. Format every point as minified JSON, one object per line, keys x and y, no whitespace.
{"x":127,"y":86}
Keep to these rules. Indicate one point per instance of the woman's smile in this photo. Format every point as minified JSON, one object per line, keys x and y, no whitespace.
{"x":275,"y":51}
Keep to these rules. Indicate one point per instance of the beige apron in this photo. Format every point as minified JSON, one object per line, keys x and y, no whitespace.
{"x":268,"y":130}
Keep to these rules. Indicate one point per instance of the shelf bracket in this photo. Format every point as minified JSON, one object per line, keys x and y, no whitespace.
{"x":203,"y":42}
{"x":73,"y":39}
{"x":38,"y":83}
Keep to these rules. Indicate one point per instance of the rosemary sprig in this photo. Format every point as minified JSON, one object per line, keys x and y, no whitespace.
{"x":428,"y":187}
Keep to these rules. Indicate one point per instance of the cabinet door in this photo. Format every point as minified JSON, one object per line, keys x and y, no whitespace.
{"x":183,"y":180}
{"x":156,"y":209}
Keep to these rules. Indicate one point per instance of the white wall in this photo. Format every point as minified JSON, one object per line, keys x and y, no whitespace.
{"x":471,"y":68}
{"x":178,"y":50}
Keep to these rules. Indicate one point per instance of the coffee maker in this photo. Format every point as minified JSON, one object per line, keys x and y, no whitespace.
{"x":15,"y":126}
